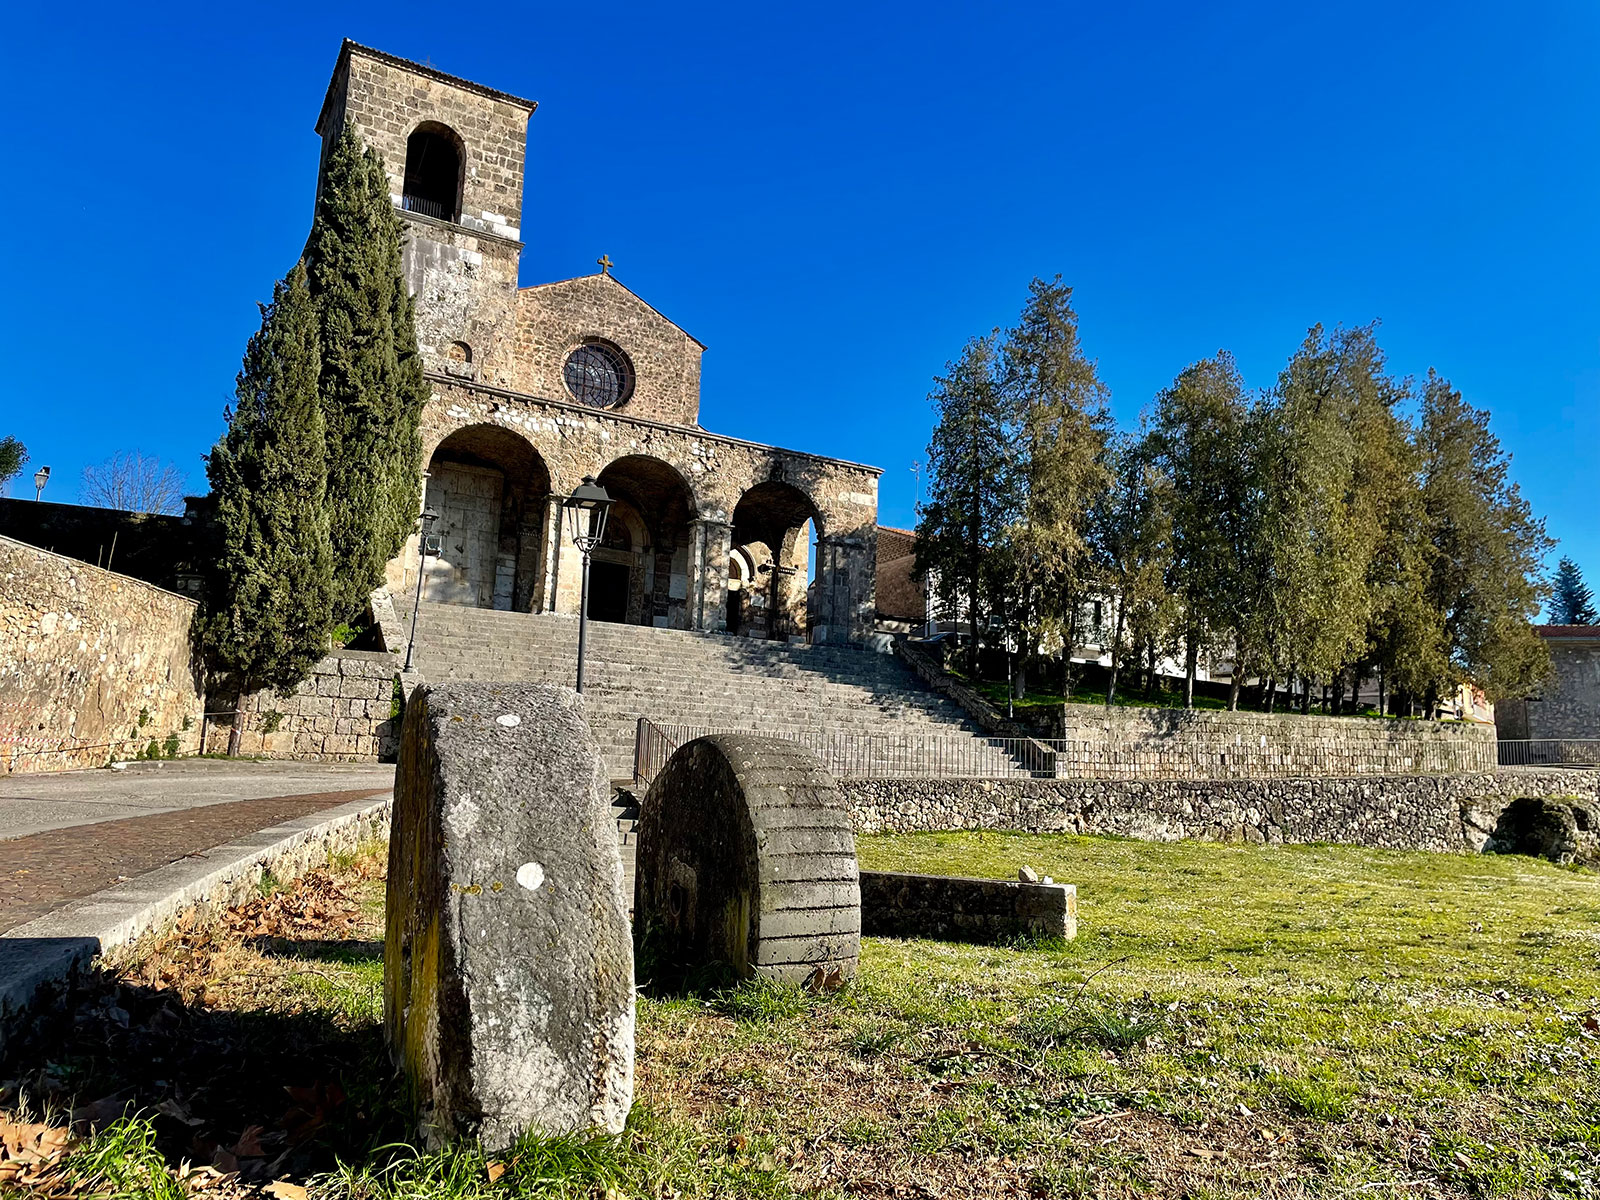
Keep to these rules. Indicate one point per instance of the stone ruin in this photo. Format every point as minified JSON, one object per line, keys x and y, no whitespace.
{"x":747,"y":865}
{"x":508,"y":958}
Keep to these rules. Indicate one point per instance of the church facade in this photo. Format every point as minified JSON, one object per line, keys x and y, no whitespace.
{"x":534,"y":388}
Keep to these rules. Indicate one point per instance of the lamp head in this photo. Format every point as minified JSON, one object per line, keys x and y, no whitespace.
{"x":587,"y":508}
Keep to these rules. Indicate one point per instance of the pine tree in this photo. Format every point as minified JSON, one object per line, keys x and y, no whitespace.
{"x":1571,"y":601}
{"x":371,"y":381}
{"x":1205,"y":438}
{"x":1486,"y":550}
{"x":1130,"y":534}
{"x":1335,"y":448}
{"x":1056,"y":412}
{"x":973,"y":487}
{"x":269,"y":606}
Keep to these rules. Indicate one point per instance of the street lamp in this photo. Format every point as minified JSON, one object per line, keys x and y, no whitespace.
{"x":424,"y":544}
{"x":40,"y":478}
{"x":586,"y":519}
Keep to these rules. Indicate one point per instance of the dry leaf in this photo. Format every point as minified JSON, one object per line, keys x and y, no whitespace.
{"x":495,"y":1170}
{"x":284,"y":1190}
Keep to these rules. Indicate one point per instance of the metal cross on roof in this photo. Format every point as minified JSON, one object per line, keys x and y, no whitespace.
{"x":605,"y":264}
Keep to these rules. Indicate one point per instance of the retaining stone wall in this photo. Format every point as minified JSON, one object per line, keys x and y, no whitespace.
{"x":339,"y":714}
{"x":1168,"y":743}
{"x":93,"y":664}
{"x":1440,"y":813}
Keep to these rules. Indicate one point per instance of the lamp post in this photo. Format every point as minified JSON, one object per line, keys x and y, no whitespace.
{"x":587,"y":508}
{"x":40,"y":478}
{"x":423,"y":540}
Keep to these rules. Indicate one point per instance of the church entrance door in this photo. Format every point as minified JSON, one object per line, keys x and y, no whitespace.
{"x":608,"y":591}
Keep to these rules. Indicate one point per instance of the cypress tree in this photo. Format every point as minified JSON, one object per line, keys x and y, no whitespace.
{"x":371,"y":376}
{"x":1571,"y":600}
{"x":269,"y":607}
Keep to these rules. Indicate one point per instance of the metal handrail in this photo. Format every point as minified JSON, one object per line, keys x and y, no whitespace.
{"x":1549,"y":752}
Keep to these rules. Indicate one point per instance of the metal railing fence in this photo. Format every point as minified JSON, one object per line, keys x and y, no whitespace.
{"x":1549,"y":752}
{"x":920,"y":755}
{"x":868,"y":755}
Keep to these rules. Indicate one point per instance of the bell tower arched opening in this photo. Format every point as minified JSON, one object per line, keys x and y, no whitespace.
{"x":433,"y":178}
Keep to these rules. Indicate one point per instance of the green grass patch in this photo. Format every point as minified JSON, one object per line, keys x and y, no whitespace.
{"x":1334,"y":1020}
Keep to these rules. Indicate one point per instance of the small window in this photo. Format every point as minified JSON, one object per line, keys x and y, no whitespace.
{"x":433,"y":173}
{"x":598,"y":374}
{"x":459,"y":352}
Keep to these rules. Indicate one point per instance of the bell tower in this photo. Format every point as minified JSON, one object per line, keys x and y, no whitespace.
{"x":454,"y":153}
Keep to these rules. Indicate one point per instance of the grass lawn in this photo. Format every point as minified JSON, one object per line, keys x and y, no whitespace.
{"x":1231,"y":1021}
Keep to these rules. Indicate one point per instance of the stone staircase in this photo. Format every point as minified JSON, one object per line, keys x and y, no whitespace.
{"x":871,"y":706}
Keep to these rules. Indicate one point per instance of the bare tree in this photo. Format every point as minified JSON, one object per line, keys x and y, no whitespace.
{"x":134,"y":482}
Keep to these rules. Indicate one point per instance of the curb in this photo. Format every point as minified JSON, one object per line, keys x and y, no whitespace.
{"x":39,"y":960}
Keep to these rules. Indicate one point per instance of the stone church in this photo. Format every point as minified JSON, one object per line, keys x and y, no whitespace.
{"x":534,"y":388}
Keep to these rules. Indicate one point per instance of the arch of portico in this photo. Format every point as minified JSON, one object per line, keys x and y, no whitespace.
{"x":686,"y":502}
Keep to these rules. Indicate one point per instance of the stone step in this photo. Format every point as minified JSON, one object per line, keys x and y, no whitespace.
{"x":699,"y":679}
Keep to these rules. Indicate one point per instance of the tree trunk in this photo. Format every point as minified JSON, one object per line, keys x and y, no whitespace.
{"x":1338,"y":694}
{"x":237,"y":732}
{"x":1269,"y":698}
{"x":1305,"y":696}
{"x":1383,"y":692}
{"x":1191,"y":664}
{"x":1238,"y":677}
{"x":1116,"y":653}
{"x":972,"y":622}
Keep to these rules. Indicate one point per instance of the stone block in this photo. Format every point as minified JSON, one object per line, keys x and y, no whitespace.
{"x":508,"y":962}
{"x":950,"y":907}
{"x":746,"y":860}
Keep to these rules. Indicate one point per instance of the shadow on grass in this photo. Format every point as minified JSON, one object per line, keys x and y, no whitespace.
{"x":344,"y":951}
{"x":265,"y":1091}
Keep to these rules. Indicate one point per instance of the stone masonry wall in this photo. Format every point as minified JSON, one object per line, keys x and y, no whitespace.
{"x":93,"y":664}
{"x":1166,"y":743}
{"x":1440,"y":813}
{"x":340,"y":714}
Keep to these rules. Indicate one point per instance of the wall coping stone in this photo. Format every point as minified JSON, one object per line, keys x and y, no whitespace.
{"x":116,"y":576}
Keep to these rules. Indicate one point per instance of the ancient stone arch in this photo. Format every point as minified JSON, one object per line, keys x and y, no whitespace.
{"x":776,"y":520}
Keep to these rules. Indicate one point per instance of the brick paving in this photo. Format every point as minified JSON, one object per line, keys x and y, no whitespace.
{"x":42,"y":871}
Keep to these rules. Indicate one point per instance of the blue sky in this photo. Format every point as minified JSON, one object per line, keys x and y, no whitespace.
{"x":833,"y":198}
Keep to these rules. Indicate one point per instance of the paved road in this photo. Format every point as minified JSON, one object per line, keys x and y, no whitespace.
{"x":31,"y":804}
{"x":66,"y":836}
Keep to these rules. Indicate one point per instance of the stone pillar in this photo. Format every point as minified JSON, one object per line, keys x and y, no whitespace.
{"x":844,"y":591}
{"x":746,"y":860}
{"x":550,"y":555}
{"x":508,"y":959}
{"x":708,"y":581}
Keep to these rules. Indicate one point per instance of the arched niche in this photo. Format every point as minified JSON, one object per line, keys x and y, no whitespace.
{"x":490,"y":489}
